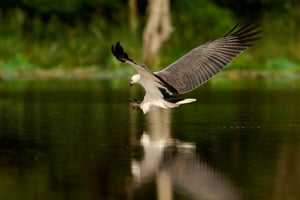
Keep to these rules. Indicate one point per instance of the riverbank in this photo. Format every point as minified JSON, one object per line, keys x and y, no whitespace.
{"x":95,"y":72}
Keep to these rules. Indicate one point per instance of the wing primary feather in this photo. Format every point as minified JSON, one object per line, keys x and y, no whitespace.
{"x":118,"y":51}
{"x":209,"y":71}
{"x":235,"y":26}
{"x":218,"y":60}
{"x":246,"y":28}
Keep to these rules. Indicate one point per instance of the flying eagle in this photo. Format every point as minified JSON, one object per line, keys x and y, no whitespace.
{"x":189,"y":72}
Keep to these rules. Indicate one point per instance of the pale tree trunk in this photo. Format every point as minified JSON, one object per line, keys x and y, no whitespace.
{"x":286,"y":181}
{"x":132,"y":17}
{"x":157,"y":30}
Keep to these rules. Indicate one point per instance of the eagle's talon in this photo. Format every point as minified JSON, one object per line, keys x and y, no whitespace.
{"x":135,"y":104}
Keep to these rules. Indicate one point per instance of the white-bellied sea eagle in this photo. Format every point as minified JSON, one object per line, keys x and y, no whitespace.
{"x":192,"y":70}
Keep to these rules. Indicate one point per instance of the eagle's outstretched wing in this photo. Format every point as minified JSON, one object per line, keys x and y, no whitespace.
{"x":205,"y":61}
{"x":119,"y":53}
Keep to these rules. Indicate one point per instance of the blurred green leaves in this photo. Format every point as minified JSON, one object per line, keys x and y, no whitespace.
{"x":68,"y":6}
{"x":281,"y":64}
{"x":79,"y":33}
{"x":14,"y":67}
{"x":53,"y":5}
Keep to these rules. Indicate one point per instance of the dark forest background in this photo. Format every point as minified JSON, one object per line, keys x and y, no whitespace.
{"x":51,"y":34}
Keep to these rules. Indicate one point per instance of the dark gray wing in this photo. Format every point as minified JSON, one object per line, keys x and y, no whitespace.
{"x":205,"y":61}
{"x":118,"y":51}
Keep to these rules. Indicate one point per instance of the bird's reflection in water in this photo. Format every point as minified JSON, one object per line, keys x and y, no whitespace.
{"x":174,"y":165}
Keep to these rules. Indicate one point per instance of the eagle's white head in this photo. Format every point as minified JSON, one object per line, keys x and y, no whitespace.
{"x":135,"y":79}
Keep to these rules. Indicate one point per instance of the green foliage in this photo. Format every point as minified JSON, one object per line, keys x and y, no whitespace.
{"x":281,"y":64}
{"x":256,"y":8}
{"x":76,"y":8}
{"x":80,"y":33}
{"x":55,"y":43}
{"x":16,"y":66}
{"x":54,"y":5}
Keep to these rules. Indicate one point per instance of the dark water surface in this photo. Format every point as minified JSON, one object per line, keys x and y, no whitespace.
{"x":79,"y":140}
